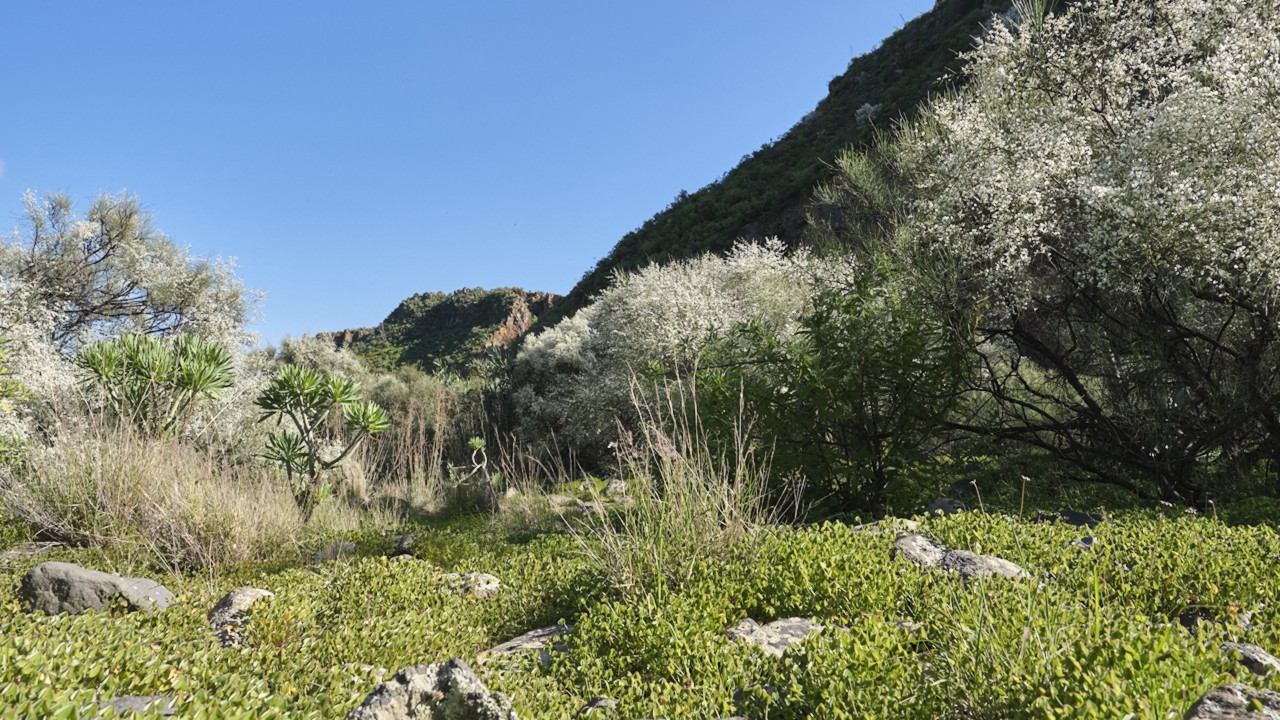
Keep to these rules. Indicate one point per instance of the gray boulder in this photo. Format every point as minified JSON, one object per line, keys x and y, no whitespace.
{"x":130,"y":704}
{"x":944,"y":506}
{"x":919,"y":549}
{"x":482,"y":585}
{"x":1236,"y":702}
{"x":440,"y":691}
{"x":972,"y":565}
{"x":58,"y":587}
{"x":597,"y":705}
{"x":227,"y":616}
{"x":1257,"y":660}
{"x":403,"y":544}
{"x":774,"y":637}
{"x":543,"y":641}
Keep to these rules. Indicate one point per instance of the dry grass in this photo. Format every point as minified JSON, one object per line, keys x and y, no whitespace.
{"x":186,"y":507}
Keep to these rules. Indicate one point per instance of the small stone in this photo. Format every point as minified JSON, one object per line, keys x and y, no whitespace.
{"x":403,"y":544}
{"x":448,"y":690}
{"x":140,"y":704}
{"x":944,"y":506}
{"x":597,"y":704}
{"x":482,"y":585}
{"x":615,"y":488}
{"x":972,"y":565}
{"x":1236,"y":702}
{"x":228,"y":615}
{"x":592,"y":507}
{"x":919,"y":550}
{"x":1257,"y":660}
{"x":544,"y":641}
{"x":31,"y":549}
{"x":334,"y":551}
{"x":774,"y":637}
{"x":58,"y":587}
{"x":1085,"y":543}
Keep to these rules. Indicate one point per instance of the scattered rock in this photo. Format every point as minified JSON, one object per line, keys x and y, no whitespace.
{"x":560,"y":502}
{"x":592,"y":507}
{"x":1257,"y":660}
{"x":598,"y":703}
{"x":444,"y":691}
{"x":774,"y":637}
{"x":1085,"y":543}
{"x":227,"y":616}
{"x":543,"y":640}
{"x":972,"y":565}
{"x":403,"y":544}
{"x":31,"y":549}
{"x":1236,"y":702}
{"x":333,"y":551}
{"x":482,"y":585}
{"x":919,"y":550}
{"x":141,"y":704}
{"x":616,"y":488}
{"x":1071,"y":517}
{"x":944,"y":506}
{"x":58,"y":587}
{"x":923,"y":551}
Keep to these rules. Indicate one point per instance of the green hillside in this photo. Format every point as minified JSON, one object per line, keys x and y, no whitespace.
{"x":768,"y":192}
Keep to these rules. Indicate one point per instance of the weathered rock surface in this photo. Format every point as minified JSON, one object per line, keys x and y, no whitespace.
{"x":227,"y":616}
{"x":597,"y":705}
{"x":544,"y":641}
{"x":923,"y":551}
{"x":440,"y":691}
{"x":1236,"y":702}
{"x":403,"y":544}
{"x":1257,"y":660}
{"x":130,"y":704}
{"x":333,"y":551}
{"x":482,"y":585}
{"x":615,"y":488}
{"x":774,"y":637}
{"x":58,"y":587}
{"x":919,"y":550}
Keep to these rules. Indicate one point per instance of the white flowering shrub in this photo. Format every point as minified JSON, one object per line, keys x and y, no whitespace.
{"x":573,"y":382}
{"x":1104,"y":198}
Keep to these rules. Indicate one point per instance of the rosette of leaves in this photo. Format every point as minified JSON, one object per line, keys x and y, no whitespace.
{"x":155,"y":384}
{"x":312,"y":402}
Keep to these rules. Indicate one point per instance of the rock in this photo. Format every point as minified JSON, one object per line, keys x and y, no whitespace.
{"x":591,"y":507}
{"x":1257,"y":660}
{"x":962,"y":488}
{"x":333,"y":551}
{"x":1191,"y":617}
{"x":925,"y":552}
{"x":1085,"y":543}
{"x":403,"y":544}
{"x":140,"y":704}
{"x":1236,"y":702}
{"x":616,"y":488}
{"x":482,"y":585}
{"x":31,"y":549}
{"x":560,"y":502}
{"x":972,"y":565}
{"x":919,"y":550}
{"x":774,"y":637}
{"x":58,"y":587}
{"x":944,"y":506}
{"x":227,"y":616}
{"x":1071,"y":517}
{"x":543,"y":640}
{"x":597,"y":704}
{"x":440,"y":691}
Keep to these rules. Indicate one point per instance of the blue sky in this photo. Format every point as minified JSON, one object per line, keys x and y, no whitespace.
{"x":351,"y":154}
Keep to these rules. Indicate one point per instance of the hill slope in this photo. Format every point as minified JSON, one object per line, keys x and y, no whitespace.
{"x":767,"y":193}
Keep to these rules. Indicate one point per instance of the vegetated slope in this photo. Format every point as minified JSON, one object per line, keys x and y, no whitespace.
{"x":767,"y":193}
{"x":447,"y":331}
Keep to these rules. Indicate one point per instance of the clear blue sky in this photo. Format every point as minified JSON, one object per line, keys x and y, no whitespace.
{"x":350,"y":154}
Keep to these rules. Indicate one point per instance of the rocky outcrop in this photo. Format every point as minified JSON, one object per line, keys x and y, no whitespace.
{"x":228,"y":615}
{"x":440,"y":691}
{"x":1236,"y":702}
{"x":774,"y":637}
{"x":58,"y":587}
{"x":543,"y":641}
{"x":920,"y":550}
{"x":1257,"y":660}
